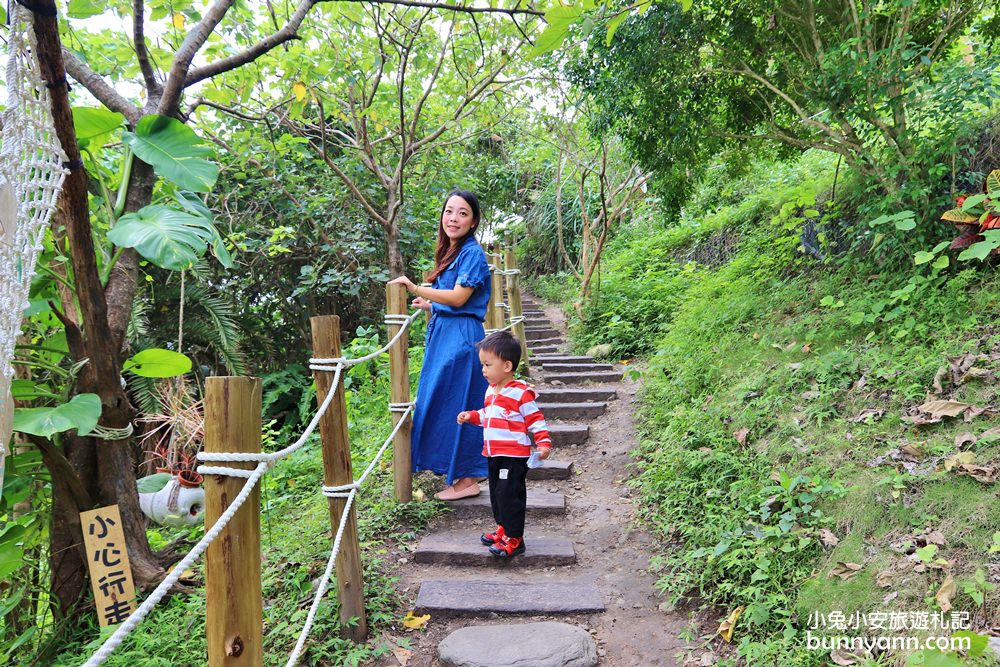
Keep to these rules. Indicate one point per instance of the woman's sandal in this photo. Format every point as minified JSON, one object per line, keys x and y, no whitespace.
{"x":451,"y":493}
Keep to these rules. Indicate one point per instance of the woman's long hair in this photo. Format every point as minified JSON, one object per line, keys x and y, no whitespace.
{"x":445,"y":251}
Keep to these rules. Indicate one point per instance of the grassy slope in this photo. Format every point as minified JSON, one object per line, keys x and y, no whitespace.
{"x":751,"y":345}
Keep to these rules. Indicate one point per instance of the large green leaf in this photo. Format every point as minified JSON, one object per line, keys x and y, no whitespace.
{"x":91,"y":123}
{"x":169,"y":238}
{"x":174,"y":151}
{"x":81,"y":413}
{"x":982,"y":249}
{"x":11,"y":549}
{"x":559,"y":19}
{"x":153,"y":483}
{"x":158,"y":363}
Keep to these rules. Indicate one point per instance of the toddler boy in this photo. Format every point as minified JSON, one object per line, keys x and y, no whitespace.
{"x":508,"y":414}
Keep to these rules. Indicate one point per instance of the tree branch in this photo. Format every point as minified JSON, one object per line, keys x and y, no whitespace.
{"x":99,"y":88}
{"x":454,"y":8}
{"x":141,"y":52}
{"x":287,"y":33}
{"x":177,"y":79}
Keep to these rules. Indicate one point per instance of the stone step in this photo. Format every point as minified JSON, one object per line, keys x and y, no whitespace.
{"x":541,"y":342}
{"x":541,"y":334}
{"x":541,"y":349}
{"x":546,"y":644}
{"x":464,"y":548}
{"x":572,"y":394}
{"x":569,"y":434}
{"x":532,"y":312}
{"x":557,"y":367}
{"x":559,"y":358}
{"x":582,"y":378}
{"x":442,"y":598}
{"x":539,"y":503}
{"x":552,"y":470}
{"x":572,"y":410}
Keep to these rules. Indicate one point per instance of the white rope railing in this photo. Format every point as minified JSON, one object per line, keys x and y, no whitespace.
{"x":264,"y":462}
{"x":514,"y":321}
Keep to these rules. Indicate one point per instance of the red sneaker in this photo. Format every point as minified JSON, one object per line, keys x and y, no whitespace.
{"x":508,"y":547}
{"x":489,"y":539}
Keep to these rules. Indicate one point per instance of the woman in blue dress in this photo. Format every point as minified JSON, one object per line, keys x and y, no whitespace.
{"x":451,"y":379}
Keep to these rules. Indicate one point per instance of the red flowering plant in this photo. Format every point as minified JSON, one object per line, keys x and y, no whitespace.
{"x":977,"y":218}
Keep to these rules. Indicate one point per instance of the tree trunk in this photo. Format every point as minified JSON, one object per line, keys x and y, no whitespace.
{"x":105,"y":468}
{"x":393,"y":253}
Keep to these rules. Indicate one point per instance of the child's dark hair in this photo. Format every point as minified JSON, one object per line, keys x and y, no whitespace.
{"x":504,"y":345}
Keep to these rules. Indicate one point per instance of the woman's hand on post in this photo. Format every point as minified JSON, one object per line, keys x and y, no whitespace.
{"x":422,"y":304}
{"x":405,"y":282}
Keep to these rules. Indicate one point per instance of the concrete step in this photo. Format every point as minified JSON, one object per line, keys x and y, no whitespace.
{"x":572,"y":410}
{"x":579,"y":395}
{"x":541,"y":342}
{"x":442,"y":598}
{"x":539,"y":503}
{"x":543,"y":348}
{"x":551,"y":366}
{"x":559,"y":358}
{"x":583,"y":378}
{"x":569,"y":434}
{"x":464,"y":548}
{"x":541,"y":334}
{"x":533,"y":312}
{"x":552,"y":470}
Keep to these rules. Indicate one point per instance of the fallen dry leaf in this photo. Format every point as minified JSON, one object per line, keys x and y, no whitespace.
{"x":705,"y":450}
{"x":984,"y":474}
{"x":944,"y":408}
{"x":707,"y":660}
{"x":889,"y":597}
{"x":727,"y":626}
{"x":941,"y":373}
{"x":964,"y":438}
{"x":911,"y":451}
{"x":884,"y":579}
{"x":874,"y":413}
{"x":844,"y":570}
{"x":932,"y":537}
{"x":411,"y":622}
{"x":827,"y":537}
{"x":946,"y":593}
{"x":402,"y":656}
{"x":961,"y":458}
{"x":741,"y":435}
{"x":419,"y":496}
{"x":842,"y":657}
{"x":807,"y":348}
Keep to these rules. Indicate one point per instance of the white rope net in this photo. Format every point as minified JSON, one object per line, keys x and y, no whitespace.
{"x":31,"y":177}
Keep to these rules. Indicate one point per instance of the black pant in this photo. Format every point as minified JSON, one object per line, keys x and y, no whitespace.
{"x":508,"y":492}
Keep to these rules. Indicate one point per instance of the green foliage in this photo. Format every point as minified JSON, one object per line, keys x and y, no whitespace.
{"x":157,"y":363}
{"x":169,"y":238}
{"x":81,"y":413}
{"x":174,"y":151}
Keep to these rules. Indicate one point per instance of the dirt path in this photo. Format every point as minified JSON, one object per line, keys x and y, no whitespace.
{"x":612,"y":551}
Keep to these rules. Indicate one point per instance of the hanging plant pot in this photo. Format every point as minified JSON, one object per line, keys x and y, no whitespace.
{"x":173,"y":503}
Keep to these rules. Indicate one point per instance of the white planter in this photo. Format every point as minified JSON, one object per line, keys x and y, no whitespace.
{"x":174,"y":505}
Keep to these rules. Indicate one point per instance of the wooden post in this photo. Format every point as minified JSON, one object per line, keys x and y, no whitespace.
{"x":233,"y":606}
{"x":514,"y":300}
{"x":399,"y":377}
{"x":336,"y":472}
{"x":494,"y":313}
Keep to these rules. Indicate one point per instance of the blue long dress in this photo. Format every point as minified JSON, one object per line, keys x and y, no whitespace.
{"x":451,"y":379}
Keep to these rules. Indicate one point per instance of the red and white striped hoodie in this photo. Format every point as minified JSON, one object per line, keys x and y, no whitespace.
{"x":507,"y":417}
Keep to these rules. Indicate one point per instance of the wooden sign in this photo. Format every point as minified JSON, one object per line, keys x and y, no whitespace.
{"x":107,"y":560}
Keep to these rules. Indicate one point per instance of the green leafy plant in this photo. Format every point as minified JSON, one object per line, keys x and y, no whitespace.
{"x":977,"y":218}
